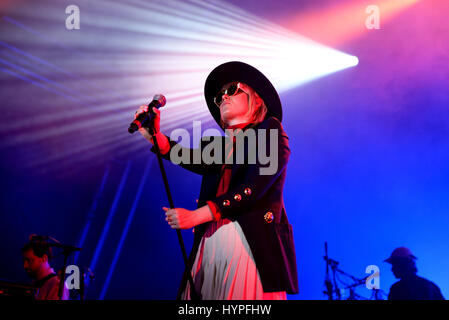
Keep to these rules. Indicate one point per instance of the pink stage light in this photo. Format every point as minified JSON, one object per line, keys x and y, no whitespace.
{"x":343,"y":22}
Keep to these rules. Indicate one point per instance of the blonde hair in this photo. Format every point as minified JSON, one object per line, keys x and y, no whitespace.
{"x":259,"y":112}
{"x":256,"y":113}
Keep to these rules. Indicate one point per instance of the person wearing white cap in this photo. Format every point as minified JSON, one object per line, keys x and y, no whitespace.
{"x":410,"y":286}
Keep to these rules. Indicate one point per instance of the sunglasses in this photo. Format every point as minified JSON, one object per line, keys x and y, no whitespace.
{"x":233,"y":89}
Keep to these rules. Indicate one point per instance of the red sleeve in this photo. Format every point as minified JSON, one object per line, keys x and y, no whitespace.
{"x":164,"y":145}
{"x":215,"y":210}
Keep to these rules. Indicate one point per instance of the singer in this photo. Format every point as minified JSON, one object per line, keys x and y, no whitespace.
{"x":243,"y":244}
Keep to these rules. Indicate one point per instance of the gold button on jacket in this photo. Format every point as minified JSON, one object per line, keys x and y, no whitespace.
{"x":268,"y":217}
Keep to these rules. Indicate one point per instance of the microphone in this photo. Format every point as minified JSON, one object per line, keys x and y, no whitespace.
{"x":35,"y":237}
{"x":38,"y":238}
{"x":144,"y":118}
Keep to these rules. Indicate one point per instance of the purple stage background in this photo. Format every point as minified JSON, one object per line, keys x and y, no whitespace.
{"x":369,"y":169}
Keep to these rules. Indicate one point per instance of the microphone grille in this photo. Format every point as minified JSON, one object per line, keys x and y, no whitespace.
{"x":161,"y":99}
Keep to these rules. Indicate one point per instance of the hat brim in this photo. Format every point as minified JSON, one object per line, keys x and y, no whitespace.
{"x":393,"y":259}
{"x":242,"y":72}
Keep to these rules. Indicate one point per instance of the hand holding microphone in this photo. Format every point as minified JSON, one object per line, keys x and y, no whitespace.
{"x":144,"y":131}
{"x":146,"y":114}
{"x":150,"y":115}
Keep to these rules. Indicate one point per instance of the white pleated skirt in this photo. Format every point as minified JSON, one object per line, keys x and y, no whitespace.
{"x":224,"y":267}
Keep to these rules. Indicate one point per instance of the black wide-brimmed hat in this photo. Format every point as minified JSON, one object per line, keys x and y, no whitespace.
{"x":242,"y":72}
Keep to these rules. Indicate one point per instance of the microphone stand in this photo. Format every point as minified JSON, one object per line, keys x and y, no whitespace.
{"x":334,"y":271}
{"x":327,"y":281}
{"x":82,"y":290}
{"x":66,"y":251}
{"x":194,"y":294}
{"x":331,"y":288}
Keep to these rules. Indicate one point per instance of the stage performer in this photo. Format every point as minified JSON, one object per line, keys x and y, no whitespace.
{"x":36,"y":255}
{"x":243,"y":243}
{"x":410,"y":286}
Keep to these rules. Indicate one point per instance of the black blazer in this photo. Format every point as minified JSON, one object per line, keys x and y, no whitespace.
{"x":255,"y":201}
